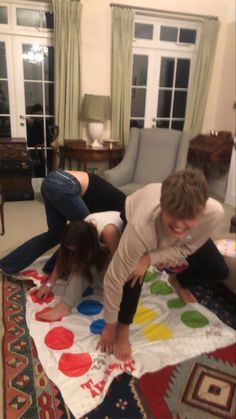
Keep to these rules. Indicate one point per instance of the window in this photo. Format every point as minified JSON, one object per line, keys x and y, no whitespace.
{"x":163,"y":59}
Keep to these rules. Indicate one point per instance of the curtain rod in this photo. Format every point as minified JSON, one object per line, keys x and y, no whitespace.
{"x":147,"y":9}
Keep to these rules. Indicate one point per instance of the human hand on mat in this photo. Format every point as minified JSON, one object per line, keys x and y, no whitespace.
{"x":105,"y":343}
{"x":43,"y":291}
{"x":140,"y":270}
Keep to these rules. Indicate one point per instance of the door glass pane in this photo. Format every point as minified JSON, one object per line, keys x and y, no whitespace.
{"x":3,"y":15}
{"x":167,"y":72}
{"x":140,"y":64}
{"x":5,"y":126}
{"x":48,"y":63}
{"x":138,"y":101}
{"x":136,"y":123}
{"x":168,"y":33}
{"x":4,"y":99}
{"x":33,"y":56}
{"x":177,"y":125}
{"x":47,"y":20}
{"x":143,"y":31}
{"x":26,"y":17}
{"x":162,"y":124}
{"x":188,"y":36}
{"x":179,"y":104}
{"x":164,"y":103}
{"x":49,"y":131}
{"x":33,"y":96}
{"x":35,"y":131}
{"x":3,"y":63}
{"x":49,"y":98}
{"x":37,"y":157}
{"x":182,"y":73}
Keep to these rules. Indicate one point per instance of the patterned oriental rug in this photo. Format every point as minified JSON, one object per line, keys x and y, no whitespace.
{"x":201,"y":387}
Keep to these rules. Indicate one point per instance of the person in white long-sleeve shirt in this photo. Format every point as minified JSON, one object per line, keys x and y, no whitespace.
{"x":168,"y":225}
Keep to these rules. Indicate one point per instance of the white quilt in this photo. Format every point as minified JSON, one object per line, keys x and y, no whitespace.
{"x":164,"y":332}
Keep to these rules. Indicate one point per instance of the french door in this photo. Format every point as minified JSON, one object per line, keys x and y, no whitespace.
{"x":160,"y":81}
{"x":27,"y":95}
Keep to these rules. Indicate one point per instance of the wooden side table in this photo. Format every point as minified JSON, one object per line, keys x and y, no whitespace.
{"x":210,"y":149}
{"x":85,"y":154}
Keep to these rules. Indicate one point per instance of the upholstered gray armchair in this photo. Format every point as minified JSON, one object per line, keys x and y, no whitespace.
{"x":152,"y":154}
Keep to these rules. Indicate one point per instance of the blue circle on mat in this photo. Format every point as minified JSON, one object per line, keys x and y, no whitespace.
{"x":87,"y":292}
{"x":97,"y":326}
{"x":89,"y":307}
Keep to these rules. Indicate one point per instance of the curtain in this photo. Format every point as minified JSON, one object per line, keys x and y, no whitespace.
{"x":121,"y":69}
{"x":199,"y":86}
{"x":67,"y":67}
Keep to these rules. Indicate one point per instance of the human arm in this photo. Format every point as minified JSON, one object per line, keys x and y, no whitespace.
{"x":139,"y":272}
{"x":110,"y":236}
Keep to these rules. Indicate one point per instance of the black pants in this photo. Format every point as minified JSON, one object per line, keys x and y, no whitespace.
{"x":206,"y":266}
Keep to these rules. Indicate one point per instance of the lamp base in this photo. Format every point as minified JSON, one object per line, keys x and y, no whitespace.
{"x":96,"y":144}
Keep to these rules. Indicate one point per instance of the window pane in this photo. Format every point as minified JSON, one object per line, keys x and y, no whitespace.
{"x":33,"y":97}
{"x":143,"y":31}
{"x":182,"y":73}
{"x":5,"y":126}
{"x":49,"y":98}
{"x":3,"y":63}
{"x":167,"y":72}
{"x":140,"y":64}
{"x":138,"y":101}
{"x":47,"y":20}
{"x":137,"y":123}
{"x":49,"y":63}
{"x":168,"y":33}
{"x":32,"y":61}
{"x":26,"y":17}
{"x":164,"y":103}
{"x":188,"y":36}
{"x":3,"y":15}
{"x":162,"y":124}
{"x":177,"y":125}
{"x":4,"y":99}
{"x":179,"y":104}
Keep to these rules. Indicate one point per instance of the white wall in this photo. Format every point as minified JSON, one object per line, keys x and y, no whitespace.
{"x":96,"y":47}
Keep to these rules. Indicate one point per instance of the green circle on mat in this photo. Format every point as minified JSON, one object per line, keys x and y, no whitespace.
{"x":149,"y":276}
{"x":160,"y":287}
{"x":194,"y":319}
{"x":176,"y":303}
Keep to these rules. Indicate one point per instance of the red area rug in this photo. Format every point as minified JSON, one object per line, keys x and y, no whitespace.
{"x":200,"y":387}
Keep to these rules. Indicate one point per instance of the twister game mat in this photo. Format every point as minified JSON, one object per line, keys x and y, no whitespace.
{"x":165,"y":331}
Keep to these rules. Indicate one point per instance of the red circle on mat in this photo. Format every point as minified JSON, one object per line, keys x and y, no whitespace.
{"x":59,"y":338}
{"x":75,"y":365}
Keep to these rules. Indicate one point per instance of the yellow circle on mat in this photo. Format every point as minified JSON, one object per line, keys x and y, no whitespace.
{"x":144,"y":314}
{"x":157,"y":332}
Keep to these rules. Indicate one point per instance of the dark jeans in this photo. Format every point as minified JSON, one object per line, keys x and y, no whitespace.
{"x":206,"y":266}
{"x":62,"y":201}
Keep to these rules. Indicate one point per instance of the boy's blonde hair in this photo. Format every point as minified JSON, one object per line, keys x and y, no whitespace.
{"x":184,"y":193}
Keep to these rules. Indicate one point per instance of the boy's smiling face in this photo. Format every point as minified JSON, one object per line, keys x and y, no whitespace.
{"x":177,"y":227}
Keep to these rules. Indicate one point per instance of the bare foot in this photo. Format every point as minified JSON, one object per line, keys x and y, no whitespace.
{"x":121,"y":346}
{"x":183,"y":293}
{"x":60,"y":310}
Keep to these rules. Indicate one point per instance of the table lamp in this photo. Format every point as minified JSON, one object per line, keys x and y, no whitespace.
{"x":96,"y":110}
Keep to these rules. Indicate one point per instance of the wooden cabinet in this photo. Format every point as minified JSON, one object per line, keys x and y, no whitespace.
{"x":15,"y":170}
{"x":209,"y":150}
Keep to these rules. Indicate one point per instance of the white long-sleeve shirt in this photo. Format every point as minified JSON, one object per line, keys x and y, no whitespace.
{"x":145,"y":232}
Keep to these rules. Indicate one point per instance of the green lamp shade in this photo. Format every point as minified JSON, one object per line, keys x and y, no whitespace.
{"x":96,"y":108}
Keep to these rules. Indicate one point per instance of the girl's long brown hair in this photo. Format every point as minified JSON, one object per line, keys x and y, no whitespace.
{"x":80,"y":248}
